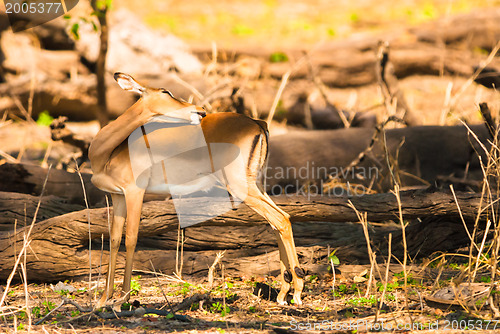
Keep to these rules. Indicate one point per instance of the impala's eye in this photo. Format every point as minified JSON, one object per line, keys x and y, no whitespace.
{"x":167,"y":92}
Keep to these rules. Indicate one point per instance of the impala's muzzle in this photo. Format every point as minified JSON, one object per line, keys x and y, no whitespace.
{"x":201,"y":113}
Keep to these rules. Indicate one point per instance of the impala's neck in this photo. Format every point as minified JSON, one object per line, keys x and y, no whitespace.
{"x":114,"y":134}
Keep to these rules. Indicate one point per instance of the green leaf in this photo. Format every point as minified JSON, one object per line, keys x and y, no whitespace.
{"x":335,"y":260}
{"x":170,"y":316}
{"x":44,"y":119}
{"x":74,"y":31}
{"x":242,"y":30}
{"x":278,"y":57}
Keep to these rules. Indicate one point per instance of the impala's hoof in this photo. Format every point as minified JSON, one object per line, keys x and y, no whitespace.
{"x":297,"y":300}
{"x":282,"y":302}
{"x":287,"y":276}
{"x":299,"y":272}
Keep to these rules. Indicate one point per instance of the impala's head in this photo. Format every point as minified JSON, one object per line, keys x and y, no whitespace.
{"x":159,"y":101}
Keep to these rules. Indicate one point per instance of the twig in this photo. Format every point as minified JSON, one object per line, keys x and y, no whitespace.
{"x":386,"y":278}
{"x":90,"y":232}
{"x":186,"y":303}
{"x":378,"y":129}
{"x":23,"y":110}
{"x":9,"y":157}
{"x":488,"y":224}
{"x":26,"y":294}
{"x":488,"y":119}
{"x":211,"y":270}
{"x":180,"y":241}
{"x":190,"y":87}
{"x":50,"y":313}
{"x":362,"y":217}
{"x":321,"y":87}
{"x":388,"y":84}
{"x":461,"y":215}
{"x":405,"y":245}
{"x":464,"y":87}
{"x":26,"y":240}
{"x":277,"y":97}
{"x":161,"y":288}
{"x":137,"y":312}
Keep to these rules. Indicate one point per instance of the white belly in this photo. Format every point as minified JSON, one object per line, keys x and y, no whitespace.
{"x":202,"y":184}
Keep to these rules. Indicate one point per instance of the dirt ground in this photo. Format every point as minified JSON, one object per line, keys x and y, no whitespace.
{"x":242,"y":305}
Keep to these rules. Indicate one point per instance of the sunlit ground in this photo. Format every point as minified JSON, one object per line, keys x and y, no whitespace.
{"x":292,"y":23}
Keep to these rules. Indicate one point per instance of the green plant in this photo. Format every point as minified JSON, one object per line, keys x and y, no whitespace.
{"x":21,"y":315}
{"x":194,"y":306}
{"x":49,"y":306}
{"x":75,"y":313}
{"x":313,"y":278}
{"x":44,"y":118}
{"x":63,"y":292}
{"x":278,"y":57}
{"x":429,"y":11}
{"x":218,"y":307}
{"x":485,"y":279}
{"x":242,"y":30}
{"x":334,"y":260}
{"x":35,"y":311}
{"x":390,"y":286}
{"x":354,"y":17}
{"x":390,"y":297}
{"x":20,"y":327}
{"x":252,"y":309}
{"x":135,"y":287}
{"x":125,"y":306}
{"x":186,"y":287}
{"x":409,"y":278}
{"x":359,"y":301}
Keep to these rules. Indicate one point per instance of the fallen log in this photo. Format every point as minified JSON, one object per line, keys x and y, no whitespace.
{"x":21,"y":208}
{"x":418,"y":155}
{"x":29,"y":179}
{"x":352,"y":68}
{"x":478,"y":29}
{"x":59,"y":246}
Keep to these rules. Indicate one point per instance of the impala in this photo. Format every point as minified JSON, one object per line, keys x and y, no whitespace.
{"x":110,"y":155}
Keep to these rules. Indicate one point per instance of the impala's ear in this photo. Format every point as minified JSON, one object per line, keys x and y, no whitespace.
{"x":126,"y":82}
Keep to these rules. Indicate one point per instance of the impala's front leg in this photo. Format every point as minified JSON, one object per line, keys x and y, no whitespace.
{"x":133,"y":198}
{"x":115,"y":236}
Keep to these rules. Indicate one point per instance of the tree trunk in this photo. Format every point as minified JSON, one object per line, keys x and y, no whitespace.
{"x":59,"y":245}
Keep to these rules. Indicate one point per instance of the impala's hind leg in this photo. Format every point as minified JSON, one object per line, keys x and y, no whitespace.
{"x":279,"y":220}
{"x":115,"y":236}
